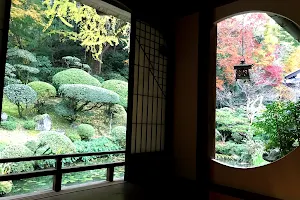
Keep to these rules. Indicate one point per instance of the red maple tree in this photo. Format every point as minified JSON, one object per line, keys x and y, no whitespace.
{"x":236,"y":40}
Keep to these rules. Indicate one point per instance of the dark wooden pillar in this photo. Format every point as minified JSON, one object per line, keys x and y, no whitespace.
{"x":206,"y":99}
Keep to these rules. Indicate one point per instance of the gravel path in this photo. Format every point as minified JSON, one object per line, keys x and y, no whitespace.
{"x":15,"y":137}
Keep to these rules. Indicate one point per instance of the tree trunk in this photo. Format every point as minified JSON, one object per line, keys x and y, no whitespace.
{"x":20,"y":110}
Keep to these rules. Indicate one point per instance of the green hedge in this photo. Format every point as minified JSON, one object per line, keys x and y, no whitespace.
{"x":86,"y":131}
{"x":119,"y":87}
{"x":9,"y":125}
{"x":73,"y":135}
{"x":119,"y":135}
{"x":88,"y":93}
{"x":43,"y":89}
{"x":29,"y":125}
{"x":15,"y":151}
{"x":74,"y":76}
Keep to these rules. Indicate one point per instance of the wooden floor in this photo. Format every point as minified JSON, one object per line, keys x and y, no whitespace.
{"x":114,"y":191}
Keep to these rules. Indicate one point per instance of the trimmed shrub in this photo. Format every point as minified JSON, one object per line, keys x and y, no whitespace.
{"x":95,"y":145}
{"x":88,"y":93}
{"x":20,"y":94}
{"x":5,"y":187}
{"x":29,"y":125}
{"x":9,"y":125}
{"x":56,"y":143}
{"x":73,"y":135}
{"x":85,"y":131}
{"x":74,"y":76}
{"x":119,"y":87}
{"x":119,"y":135}
{"x":32,"y":145}
{"x":80,"y":98}
{"x":43,"y":89}
{"x":119,"y":115}
{"x":15,"y":151}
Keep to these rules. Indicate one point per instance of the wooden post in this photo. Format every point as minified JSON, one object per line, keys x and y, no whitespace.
{"x":57,"y":178}
{"x":110,"y":174}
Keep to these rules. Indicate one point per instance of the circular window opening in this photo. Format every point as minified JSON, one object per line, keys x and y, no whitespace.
{"x":257,"y":117}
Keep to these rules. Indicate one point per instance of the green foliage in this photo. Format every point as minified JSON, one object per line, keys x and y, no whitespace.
{"x":119,"y":135}
{"x":15,"y":151}
{"x":114,"y":66}
{"x":73,"y":135}
{"x":99,"y":78}
{"x":78,"y":98}
{"x":119,"y":115}
{"x":21,"y":55}
{"x":46,"y":73}
{"x":55,"y":143}
{"x":74,"y":76}
{"x":85,"y":131}
{"x":29,"y":125}
{"x":10,"y":76}
{"x":32,"y":145}
{"x":43,"y":61}
{"x":238,"y":152}
{"x":114,"y":76}
{"x":21,"y":60}
{"x":280,"y":125}
{"x":232,"y":123}
{"x":119,"y":87}
{"x":88,"y":93}
{"x":72,"y":61}
{"x":44,"y":92}
{"x":5,"y":187}
{"x":20,"y":94}
{"x":95,"y":145}
{"x":9,"y":125}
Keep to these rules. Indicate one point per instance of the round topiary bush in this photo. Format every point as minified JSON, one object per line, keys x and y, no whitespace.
{"x":5,"y":187}
{"x":80,"y":98}
{"x":88,"y":93}
{"x":119,"y":135}
{"x":119,"y":115}
{"x":73,"y":135}
{"x":20,"y":94}
{"x":119,"y":87}
{"x":29,"y":125}
{"x":74,"y":76}
{"x":43,"y":89}
{"x":15,"y":151}
{"x":9,"y":125}
{"x":57,"y":143}
{"x":85,"y":131}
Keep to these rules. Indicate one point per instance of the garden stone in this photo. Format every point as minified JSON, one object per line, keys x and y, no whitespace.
{"x":59,"y":131}
{"x":272,"y":156}
{"x":4,"y":117}
{"x":43,"y":122}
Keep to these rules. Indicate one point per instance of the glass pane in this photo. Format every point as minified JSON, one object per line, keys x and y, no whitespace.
{"x":25,"y":186}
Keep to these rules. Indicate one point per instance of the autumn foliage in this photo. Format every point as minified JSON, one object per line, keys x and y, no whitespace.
{"x":242,"y":37}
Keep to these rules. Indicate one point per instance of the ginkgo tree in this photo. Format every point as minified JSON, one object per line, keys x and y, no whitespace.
{"x":97,"y":33}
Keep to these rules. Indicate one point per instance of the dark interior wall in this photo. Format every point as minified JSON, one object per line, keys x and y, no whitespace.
{"x":185,"y":96}
{"x":2,"y":9}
